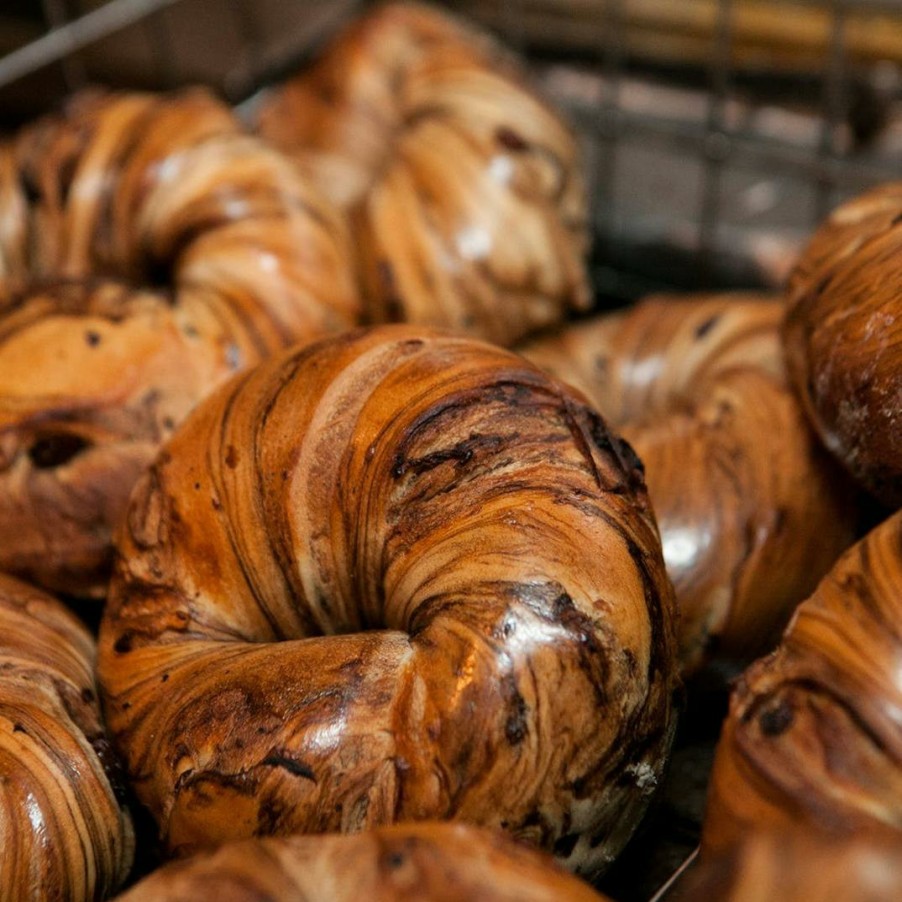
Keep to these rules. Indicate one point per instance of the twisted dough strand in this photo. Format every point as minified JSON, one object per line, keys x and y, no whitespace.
{"x":392,"y":576}
{"x":241,"y":256}
{"x":63,"y":833}
{"x":751,"y":511}
{"x":813,"y":737}
{"x":464,"y":187}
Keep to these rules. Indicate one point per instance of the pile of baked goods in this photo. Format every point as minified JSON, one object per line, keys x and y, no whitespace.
{"x":366,"y":570}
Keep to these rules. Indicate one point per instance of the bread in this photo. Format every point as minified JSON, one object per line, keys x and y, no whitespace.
{"x":148,"y":250}
{"x":392,"y":576}
{"x":812,"y":740}
{"x":64,"y":829}
{"x":465,"y":189}
{"x":751,"y":511}
{"x":409,"y":863}
{"x":843,"y":334}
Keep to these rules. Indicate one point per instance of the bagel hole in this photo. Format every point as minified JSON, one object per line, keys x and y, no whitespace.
{"x":56,"y":449}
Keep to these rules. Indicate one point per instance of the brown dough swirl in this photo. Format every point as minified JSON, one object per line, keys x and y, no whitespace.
{"x":118,"y":192}
{"x":465,"y":189}
{"x":813,"y":738}
{"x":63,"y":833}
{"x":751,"y":511}
{"x":800,"y":866}
{"x":392,"y":576}
{"x":843,"y":335}
{"x":425,"y":862}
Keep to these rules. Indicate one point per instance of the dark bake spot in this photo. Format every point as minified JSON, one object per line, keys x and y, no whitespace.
{"x":704,"y":328}
{"x":92,"y":338}
{"x":776,"y":720}
{"x":56,"y":449}
{"x":564,"y":846}
{"x":510,"y":140}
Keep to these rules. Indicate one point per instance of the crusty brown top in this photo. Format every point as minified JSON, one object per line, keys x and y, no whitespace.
{"x":751,"y":511}
{"x":465,"y":189}
{"x":238,"y":256}
{"x":813,"y":738}
{"x":425,"y":862}
{"x":843,"y":337}
{"x":390,"y":576}
{"x":64,"y":835}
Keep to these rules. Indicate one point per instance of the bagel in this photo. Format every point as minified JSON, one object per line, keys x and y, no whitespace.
{"x":393,"y":575}
{"x":64,"y":830}
{"x":812,"y":741}
{"x":464,"y":188}
{"x":148,"y":250}
{"x":751,"y":511}
{"x":408,"y":863}
{"x":843,"y":333}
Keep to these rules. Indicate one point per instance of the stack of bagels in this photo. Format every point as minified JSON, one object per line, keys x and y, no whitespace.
{"x":401,"y":570}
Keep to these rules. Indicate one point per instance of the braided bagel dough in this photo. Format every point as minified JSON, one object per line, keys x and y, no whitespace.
{"x":393,"y":575}
{"x":464,"y":187}
{"x":237,"y":255}
{"x":64,"y":834}
{"x":751,"y":511}
{"x":405,"y":863}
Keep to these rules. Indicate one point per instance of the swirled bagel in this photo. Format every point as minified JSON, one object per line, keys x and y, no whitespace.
{"x":425,"y":862}
{"x":392,"y":576}
{"x":465,"y":189}
{"x":63,"y":833}
{"x":800,"y":866}
{"x":813,"y":739}
{"x":751,"y":511}
{"x":238,"y":256}
{"x":843,"y":334}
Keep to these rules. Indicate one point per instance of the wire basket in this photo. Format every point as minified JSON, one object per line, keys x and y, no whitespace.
{"x":717,"y":133}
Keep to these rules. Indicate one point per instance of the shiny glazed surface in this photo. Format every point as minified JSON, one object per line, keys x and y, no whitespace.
{"x":844,"y":333}
{"x":238,"y":256}
{"x":392,"y":576}
{"x":750,"y":509}
{"x":63,"y":833}
{"x":464,"y":187}
{"x":813,"y":738}
{"x":405,"y":863}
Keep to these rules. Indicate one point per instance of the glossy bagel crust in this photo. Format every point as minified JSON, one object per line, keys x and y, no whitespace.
{"x":424,"y":862}
{"x":750,"y":509}
{"x":63,"y":833}
{"x":812,"y":740}
{"x":464,"y":187}
{"x":394,"y":575}
{"x":843,"y":334}
{"x":237,"y":254}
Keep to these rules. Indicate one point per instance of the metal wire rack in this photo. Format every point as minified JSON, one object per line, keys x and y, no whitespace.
{"x":717,"y":133}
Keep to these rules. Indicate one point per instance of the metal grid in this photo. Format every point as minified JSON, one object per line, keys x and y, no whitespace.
{"x":666,"y":186}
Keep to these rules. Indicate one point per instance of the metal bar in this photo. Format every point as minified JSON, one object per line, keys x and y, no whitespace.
{"x":75,"y":36}
{"x":604,"y":212}
{"x":674,"y":877}
{"x":833,"y":113}
{"x":717,"y":145}
{"x":72,"y":66}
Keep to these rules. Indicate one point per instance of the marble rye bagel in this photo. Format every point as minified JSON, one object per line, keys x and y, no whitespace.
{"x":425,"y":862}
{"x":843,"y":334}
{"x":751,"y":510}
{"x":64,"y":833}
{"x":393,"y":575}
{"x":149,"y":248}
{"x":464,"y":188}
